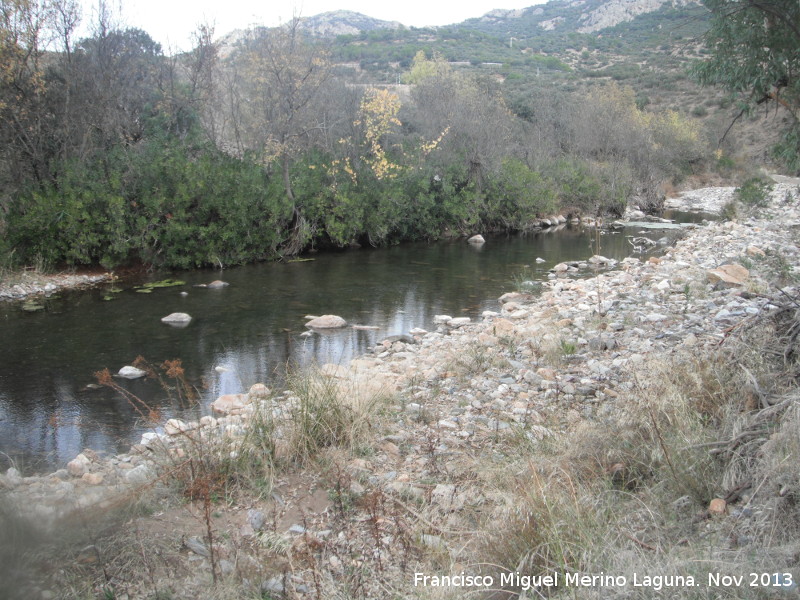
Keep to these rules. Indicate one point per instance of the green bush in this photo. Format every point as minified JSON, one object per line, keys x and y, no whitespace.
{"x":754,"y":192}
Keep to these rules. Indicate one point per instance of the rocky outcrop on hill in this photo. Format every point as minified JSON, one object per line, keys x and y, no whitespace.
{"x":343,"y":22}
{"x":615,"y":12}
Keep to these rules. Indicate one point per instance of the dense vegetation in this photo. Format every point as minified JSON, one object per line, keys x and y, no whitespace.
{"x":114,"y":153}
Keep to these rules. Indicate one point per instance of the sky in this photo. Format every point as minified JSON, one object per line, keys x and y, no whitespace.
{"x":171,"y":22}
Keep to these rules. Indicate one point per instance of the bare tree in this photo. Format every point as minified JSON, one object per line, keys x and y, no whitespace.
{"x":278,"y":99}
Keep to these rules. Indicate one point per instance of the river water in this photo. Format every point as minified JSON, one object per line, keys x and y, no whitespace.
{"x":245,"y":333}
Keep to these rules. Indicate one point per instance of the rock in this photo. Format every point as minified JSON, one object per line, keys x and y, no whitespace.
{"x":458,"y":321}
{"x":217,"y":284}
{"x":177,"y":318}
{"x":230,"y":404}
{"x":327,"y":322}
{"x":256,"y":518}
{"x":731,"y":275}
{"x":441,"y":319}
{"x":92,"y":478}
{"x":600,"y":260}
{"x":138,"y":475}
{"x":196,"y":545}
{"x":175,"y":427}
{"x":560,"y":268}
{"x":755,"y":251}
{"x":717,"y":506}
{"x":129,"y":372}
{"x":258,"y":390}
{"x":273,"y":586}
{"x":149,"y":438}
{"x":11,"y":479}
{"x":78,"y":466}
{"x":476,"y":239}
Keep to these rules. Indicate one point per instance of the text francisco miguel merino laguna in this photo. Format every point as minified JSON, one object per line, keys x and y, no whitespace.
{"x":527,"y":582}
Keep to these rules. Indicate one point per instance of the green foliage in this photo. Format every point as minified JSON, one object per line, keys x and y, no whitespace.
{"x":754,"y":192}
{"x":519,"y":195}
{"x":159,"y":204}
{"x":754,"y":55}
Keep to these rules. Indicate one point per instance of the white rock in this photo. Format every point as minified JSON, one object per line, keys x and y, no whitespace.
{"x":459,"y":321}
{"x":175,"y":427}
{"x":176,"y":318}
{"x":12,"y":478}
{"x":327,"y":322}
{"x":440,"y":319}
{"x":129,"y":372}
{"x":138,"y":475}
{"x":149,"y":438}
{"x":476,"y":239}
{"x":208,"y":421}
{"x":78,"y":466}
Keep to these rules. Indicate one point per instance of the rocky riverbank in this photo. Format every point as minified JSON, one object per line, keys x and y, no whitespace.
{"x":27,"y":284}
{"x":439,"y":407}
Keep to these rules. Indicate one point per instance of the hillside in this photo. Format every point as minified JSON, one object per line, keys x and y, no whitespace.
{"x":564,"y":46}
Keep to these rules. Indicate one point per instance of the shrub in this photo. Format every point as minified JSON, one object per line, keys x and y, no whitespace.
{"x":754,"y":192}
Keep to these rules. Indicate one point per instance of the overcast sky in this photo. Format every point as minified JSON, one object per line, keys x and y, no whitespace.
{"x":171,"y":22}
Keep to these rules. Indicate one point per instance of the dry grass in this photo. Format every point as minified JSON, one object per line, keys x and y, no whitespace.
{"x":629,"y":495}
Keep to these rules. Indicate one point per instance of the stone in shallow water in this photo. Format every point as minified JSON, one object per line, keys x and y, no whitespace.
{"x":177,"y":318}
{"x":327,"y":322}
{"x":129,"y":372}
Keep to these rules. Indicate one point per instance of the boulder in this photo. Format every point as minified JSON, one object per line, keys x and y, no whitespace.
{"x":175,"y":427}
{"x":78,"y":466}
{"x":217,"y":284}
{"x":11,"y":479}
{"x":176,"y":318}
{"x":129,"y":372}
{"x":92,"y":478}
{"x":230,"y":404}
{"x":259,"y":390}
{"x":476,"y":239}
{"x":327,"y":322}
{"x":731,"y":275}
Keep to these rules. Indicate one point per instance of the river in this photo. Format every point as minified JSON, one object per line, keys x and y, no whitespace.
{"x":245,"y":333}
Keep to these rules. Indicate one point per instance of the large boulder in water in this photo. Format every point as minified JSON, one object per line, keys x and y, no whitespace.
{"x":216,"y":285}
{"x":327,"y":322}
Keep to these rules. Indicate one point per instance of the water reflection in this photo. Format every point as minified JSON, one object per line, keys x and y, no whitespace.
{"x":250,"y":329}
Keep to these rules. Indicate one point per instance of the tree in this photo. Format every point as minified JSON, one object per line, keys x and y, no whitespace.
{"x":755,"y":53}
{"x":23,"y":27}
{"x":280,"y":103}
{"x":471,"y":111}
